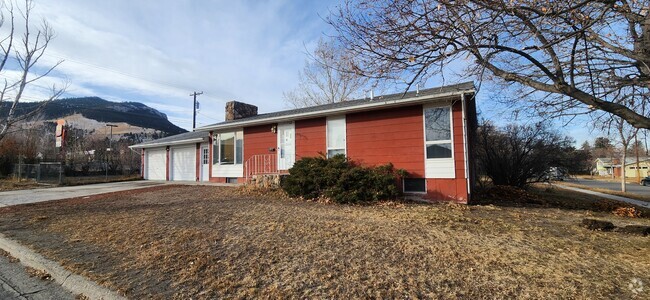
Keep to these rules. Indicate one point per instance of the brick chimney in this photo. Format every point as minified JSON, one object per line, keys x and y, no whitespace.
{"x":238,"y":110}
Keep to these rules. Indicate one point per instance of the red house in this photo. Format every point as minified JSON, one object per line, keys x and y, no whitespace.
{"x":428,"y":133}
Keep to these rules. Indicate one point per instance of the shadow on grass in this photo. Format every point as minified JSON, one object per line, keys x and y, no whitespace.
{"x":548,"y":196}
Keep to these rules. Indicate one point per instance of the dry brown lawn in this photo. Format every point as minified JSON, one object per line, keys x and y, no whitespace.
{"x":14,"y":184}
{"x":213,"y":242}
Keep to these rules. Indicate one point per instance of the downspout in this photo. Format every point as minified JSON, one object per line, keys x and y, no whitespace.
{"x":465,"y":148}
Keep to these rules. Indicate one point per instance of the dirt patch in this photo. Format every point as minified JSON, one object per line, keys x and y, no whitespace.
{"x":179,"y":242}
{"x":40,"y":274}
{"x":8,"y":256}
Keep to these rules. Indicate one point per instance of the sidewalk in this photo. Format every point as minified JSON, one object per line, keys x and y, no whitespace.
{"x":63,"y":282}
{"x":15,"y":283}
{"x":39,"y":195}
{"x":603,"y":195}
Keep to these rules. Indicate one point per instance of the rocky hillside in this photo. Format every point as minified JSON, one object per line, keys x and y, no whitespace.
{"x":99,"y":111}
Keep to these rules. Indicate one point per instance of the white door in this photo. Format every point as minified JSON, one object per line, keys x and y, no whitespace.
{"x":154,"y":164}
{"x":286,"y":146}
{"x":183,"y":163}
{"x":205,"y":162}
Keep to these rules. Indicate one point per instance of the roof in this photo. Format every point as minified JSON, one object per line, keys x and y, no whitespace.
{"x":607,"y":162}
{"x":183,"y":138}
{"x":378,"y":102}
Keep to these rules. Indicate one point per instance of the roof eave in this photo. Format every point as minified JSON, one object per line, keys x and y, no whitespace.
{"x":321,"y":113}
{"x":172,"y":143}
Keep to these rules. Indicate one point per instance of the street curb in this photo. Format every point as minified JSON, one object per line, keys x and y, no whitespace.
{"x":74,"y":283}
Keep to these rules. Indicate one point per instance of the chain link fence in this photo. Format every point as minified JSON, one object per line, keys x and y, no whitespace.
{"x":45,"y":172}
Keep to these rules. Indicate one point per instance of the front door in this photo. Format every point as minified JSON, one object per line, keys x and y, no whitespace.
{"x":205,"y":162}
{"x":286,"y":146}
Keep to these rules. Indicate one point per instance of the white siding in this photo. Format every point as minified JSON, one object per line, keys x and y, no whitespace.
{"x":228,"y":171}
{"x":439,"y":168}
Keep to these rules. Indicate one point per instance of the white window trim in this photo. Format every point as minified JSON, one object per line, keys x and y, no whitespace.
{"x":217,"y":140}
{"x":442,"y":168}
{"x":345,"y":135}
{"x":451,"y":130}
{"x":205,"y":155}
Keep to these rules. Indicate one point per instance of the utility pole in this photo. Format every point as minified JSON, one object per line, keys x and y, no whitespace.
{"x":110,"y":147}
{"x":194,"y":116}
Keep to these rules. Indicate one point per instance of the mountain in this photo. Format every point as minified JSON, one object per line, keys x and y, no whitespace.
{"x":96,"y":112}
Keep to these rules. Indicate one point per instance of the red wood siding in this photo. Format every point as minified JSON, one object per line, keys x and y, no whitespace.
{"x":258,"y":140}
{"x":199,"y":159}
{"x":142,"y":163}
{"x":397,"y":136}
{"x":167,"y":163}
{"x":211,"y":147}
{"x":310,"y":138}
{"x":393,"y":135}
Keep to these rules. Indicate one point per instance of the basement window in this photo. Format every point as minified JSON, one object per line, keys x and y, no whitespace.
{"x":415,"y":185}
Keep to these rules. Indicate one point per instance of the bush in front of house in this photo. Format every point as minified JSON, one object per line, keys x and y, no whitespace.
{"x":341,"y":180}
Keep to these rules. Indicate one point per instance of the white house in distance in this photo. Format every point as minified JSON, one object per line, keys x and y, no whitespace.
{"x":429,"y":133}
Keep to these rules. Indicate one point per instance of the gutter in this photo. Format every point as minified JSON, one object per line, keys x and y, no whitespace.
{"x":161,"y":144}
{"x":322,"y":113}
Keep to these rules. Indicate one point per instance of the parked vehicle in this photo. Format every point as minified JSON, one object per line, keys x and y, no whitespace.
{"x":557,"y":174}
{"x":645,"y":181}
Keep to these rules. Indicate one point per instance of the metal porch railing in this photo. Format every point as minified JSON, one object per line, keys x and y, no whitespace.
{"x":262,"y":164}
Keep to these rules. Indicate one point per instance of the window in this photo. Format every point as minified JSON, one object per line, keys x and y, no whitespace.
{"x":415,"y":185}
{"x":335,"y":136}
{"x":437,"y":126}
{"x":205,"y":155}
{"x":228,"y":148}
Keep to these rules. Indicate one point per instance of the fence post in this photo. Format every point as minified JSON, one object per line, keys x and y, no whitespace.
{"x":19,"y":169}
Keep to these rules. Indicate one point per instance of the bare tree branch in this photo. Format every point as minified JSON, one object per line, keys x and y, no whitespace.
{"x":326,"y":78}
{"x":27,"y":54}
{"x":581,"y":51}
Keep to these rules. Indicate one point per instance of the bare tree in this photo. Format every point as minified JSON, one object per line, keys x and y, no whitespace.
{"x":27,"y":49}
{"x":518,"y":155}
{"x":581,"y":55}
{"x":326,"y":78}
{"x":625,"y":135}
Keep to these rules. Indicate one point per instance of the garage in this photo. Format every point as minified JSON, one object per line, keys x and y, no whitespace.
{"x":183,"y":163}
{"x":155,"y":164}
{"x":173,"y":157}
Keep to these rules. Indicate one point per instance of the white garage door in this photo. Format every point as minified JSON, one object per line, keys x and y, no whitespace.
{"x":183,"y":164}
{"x":155,"y":164}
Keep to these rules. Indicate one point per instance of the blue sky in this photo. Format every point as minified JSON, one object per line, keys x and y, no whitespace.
{"x":158,"y":52}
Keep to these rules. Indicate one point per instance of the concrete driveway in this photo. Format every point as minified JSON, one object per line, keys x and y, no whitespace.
{"x":633,"y":188}
{"x":57,"y":193}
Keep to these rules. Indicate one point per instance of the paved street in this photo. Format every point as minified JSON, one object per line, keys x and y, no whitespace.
{"x":633,"y":188}
{"x":47,"y":194}
{"x":16,"y":284}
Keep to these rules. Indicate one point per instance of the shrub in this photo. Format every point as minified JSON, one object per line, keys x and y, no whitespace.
{"x":341,"y":180}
